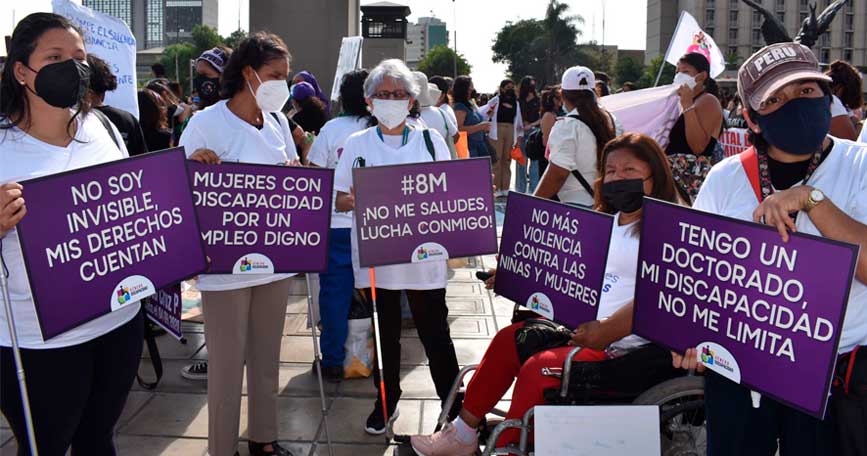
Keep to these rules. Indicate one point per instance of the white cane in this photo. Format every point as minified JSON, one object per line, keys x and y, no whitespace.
{"x":318,"y":361}
{"x":19,"y":366}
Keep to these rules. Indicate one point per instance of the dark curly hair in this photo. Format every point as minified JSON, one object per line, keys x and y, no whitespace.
{"x":101,"y":78}
{"x":352,"y":96}
{"x":14,"y":108}
{"x":461,"y":90}
{"x":844,"y":76}
{"x":256,"y":50}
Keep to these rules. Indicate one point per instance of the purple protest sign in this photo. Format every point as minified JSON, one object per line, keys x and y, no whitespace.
{"x":165,"y":309}
{"x":263,"y":219}
{"x":552,"y":258}
{"x":97,"y":239}
{"x":760,"y":312}
{"x":424,"y":212}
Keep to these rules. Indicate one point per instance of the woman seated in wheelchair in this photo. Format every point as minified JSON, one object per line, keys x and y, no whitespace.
{"x":632,"y":166}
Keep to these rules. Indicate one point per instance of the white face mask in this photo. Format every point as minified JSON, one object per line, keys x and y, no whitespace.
{"x":684,"y":78}
{"x":271,"y":95}
{"x":390,"y":113}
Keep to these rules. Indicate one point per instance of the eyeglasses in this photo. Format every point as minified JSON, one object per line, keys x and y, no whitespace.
{"x":396,"y":95}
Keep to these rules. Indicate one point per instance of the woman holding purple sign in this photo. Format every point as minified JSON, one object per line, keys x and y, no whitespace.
{"x":245,"y":313}
{"x":390,"y":90}
{"x":47,"y":127}
{"x":798,"y":179}
{"x":632,"y":166}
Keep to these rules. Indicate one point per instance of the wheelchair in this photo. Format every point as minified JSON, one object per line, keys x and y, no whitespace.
{"x":680,"y":399}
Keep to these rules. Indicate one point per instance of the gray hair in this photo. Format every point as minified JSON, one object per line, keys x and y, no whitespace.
{"x":393,"y":69}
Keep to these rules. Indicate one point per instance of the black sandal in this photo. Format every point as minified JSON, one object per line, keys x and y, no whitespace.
{"x":258,"y":449}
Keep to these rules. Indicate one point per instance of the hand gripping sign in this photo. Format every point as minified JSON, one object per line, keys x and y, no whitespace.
{"x":760,"y":312}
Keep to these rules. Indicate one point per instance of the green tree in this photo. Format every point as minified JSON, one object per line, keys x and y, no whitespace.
{"x":235,"y":38}
{"x":177,"y":57}
{"x":440,"y":60}
{"x":627,"y":69}
{"x":541,"y":48}
{"x":205,"y":38}
{"x":650,"y":72}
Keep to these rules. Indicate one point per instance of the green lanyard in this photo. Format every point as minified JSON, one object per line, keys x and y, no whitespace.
{"x":403,"y":140}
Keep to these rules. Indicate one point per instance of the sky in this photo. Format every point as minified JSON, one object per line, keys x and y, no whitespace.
{"x":478,"y":22}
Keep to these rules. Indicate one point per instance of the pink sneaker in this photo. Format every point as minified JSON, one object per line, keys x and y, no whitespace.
{"x":444,"y":443}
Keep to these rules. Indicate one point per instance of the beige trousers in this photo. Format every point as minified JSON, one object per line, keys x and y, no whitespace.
{"x":243,"y":327}
{"x":503,"y":151}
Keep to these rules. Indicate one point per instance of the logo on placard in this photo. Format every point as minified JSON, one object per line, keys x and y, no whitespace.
{"x":131,"y":289}
{"x":718,"y":359}
{"x":254,"y":263}
{"x":539,"y":303}
{"x":429,"y":251}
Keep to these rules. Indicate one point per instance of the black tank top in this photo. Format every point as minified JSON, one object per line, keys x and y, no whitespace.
{"x":677,"y":143}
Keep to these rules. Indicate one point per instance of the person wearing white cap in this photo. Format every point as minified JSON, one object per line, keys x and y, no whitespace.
{"x":796,"y":178}
{"x":576,"y":141}
{"x":433,"y":117}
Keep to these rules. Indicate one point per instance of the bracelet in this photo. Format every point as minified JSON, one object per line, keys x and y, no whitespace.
{"x":690,"y":108}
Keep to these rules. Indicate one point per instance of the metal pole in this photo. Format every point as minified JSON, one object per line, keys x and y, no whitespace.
{"x":19,"y":366}
{"x":317,"y":356}
{"x":659,"y":75}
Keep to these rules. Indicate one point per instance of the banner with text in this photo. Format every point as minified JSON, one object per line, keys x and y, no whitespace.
{"x":424,"y":212}
{"x":100,"y":238}
{"x":263,"y":219}
{"x":552,"y":258}
{"x":110,"y":39}
{"x":749,"y":303}
{"x":734,"y":141}
{"x":165,"y":309}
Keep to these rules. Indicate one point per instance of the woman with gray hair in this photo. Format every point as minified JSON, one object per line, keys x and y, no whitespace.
{"x":390,"y":90}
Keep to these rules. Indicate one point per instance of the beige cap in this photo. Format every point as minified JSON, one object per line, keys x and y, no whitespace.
{"x":773,"y":67}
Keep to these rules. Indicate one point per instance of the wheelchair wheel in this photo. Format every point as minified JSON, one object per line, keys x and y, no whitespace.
{"x":681,"y":413}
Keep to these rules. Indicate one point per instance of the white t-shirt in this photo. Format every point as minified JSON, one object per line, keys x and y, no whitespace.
{"x":25,"y":157}
{"x":428,"y":275}
{"x":416,"y":122}
{"x":234,"y":140}
{"x":326,"y":151}
{"x":572,"y":146}
{"x":838,"y":108}
{"x":437,"y":120}
{"x":843,"y":179}
{"x":618,"y":288}
{"x":450,"y":115}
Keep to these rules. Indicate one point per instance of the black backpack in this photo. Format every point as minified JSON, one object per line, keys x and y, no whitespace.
{"x":535,"y":146}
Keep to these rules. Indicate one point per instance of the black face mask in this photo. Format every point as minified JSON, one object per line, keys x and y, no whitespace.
{"x":624,"y":195}
{"x":62,"y":84}
{"x":509,"y":94}
{"x":208,"y":89}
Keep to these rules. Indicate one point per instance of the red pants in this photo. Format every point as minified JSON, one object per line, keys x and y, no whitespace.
{"x":499,"y":368}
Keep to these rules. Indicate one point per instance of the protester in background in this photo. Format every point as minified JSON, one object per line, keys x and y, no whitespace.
{"x":177,"y":112}
{"x":209,"y":67}
{"x":634,"y":166}
{"x":551,"y":109}
{"x":604,"y":88}
{"x":469,"y":120}
{"x":309,"y":110}
{"x":153,"y":120}
{"x":504,"y":112}
{"x":576,"y":141}
{"x":435,"y":118}
{"x":814,"y":185}
{"x":337,"y":283}
{"x":306,"y":76}
{"x":178,"y":92}
{"x":848,"y":98}
{"x":102,"y":80}
{"x":77,"y":381}
{"x":245,"y":314}
{"x":530,"y":104}
{"x":627,"y":86}
{"x":601,"y":89}
{"x":390,"y":90}
{"x":444,"y":103}
{"x":159,"y":72}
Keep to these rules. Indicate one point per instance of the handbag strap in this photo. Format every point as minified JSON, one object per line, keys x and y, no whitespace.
{"x":750,"y":162}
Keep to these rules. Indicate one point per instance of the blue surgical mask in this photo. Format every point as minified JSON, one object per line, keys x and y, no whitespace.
{"x":799,"y":127}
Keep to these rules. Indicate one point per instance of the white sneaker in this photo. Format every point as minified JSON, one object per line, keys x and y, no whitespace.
{"x":444,"y":443}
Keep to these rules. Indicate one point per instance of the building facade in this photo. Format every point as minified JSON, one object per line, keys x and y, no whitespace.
{"x":736,"y":27}
{"x":423,"y":36}
{"x":158,"y":23}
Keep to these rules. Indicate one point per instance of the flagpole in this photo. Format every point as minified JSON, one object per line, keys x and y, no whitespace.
{"x":670,"y":41}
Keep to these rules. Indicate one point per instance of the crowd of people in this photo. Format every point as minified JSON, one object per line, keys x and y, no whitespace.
{"x":567,"y":147}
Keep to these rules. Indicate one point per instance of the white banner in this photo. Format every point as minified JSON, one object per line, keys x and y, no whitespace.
{"x":734,"y":141}
{"x":348,"y":60}
{"x":649,"y":111}
{"x":110,"y":39}
{"x":689,"y":37}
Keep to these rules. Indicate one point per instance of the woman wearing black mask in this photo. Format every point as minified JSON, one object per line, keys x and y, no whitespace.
{"x":507,"y":131}
{"x":46,"y":128}
{"x":209,"y":67}
{"x":633,"y":166}
{"x":796,"y":179}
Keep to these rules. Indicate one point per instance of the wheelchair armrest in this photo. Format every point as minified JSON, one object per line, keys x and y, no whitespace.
{"x":567,"y":370}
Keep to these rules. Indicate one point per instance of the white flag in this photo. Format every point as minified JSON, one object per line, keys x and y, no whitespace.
{"x":863,"y":137}
{"x":111,"y":40}
{"x":652,"y":111}
{"x":689,"y":37}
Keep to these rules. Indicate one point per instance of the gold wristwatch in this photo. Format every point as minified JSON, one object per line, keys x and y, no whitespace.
{"x":815,"y":199}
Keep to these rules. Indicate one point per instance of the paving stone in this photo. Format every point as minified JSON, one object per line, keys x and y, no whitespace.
{"x":131,"y":445}
{"x":355,"y":449}
{"x":458,"y":289}
{"x":414,"y":381}
{"x":134,"y":403}
{"x":462,"y":327}
{"x":467,"y":306}
{"x":175,"y":415}
{"x":172,"y":381}
{"x":347,"y":416}
{"x":170,"y":348}
{"x":296,"y":349}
